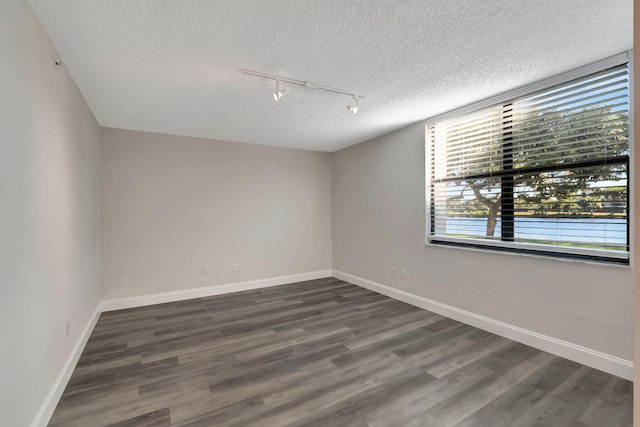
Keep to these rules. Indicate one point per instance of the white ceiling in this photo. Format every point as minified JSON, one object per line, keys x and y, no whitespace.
{"x":173,"y":66}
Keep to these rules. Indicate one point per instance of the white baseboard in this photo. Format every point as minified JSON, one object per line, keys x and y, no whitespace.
{"x":604,"y":362}
{"x":139,"y":301}
{"x":43,"y":416}
{"x":595,"y":359}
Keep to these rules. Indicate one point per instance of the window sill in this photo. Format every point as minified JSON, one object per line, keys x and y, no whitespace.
{"x":562,"y":257}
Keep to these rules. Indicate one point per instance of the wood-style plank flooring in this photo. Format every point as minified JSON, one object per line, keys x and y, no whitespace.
{"x":323,"y":353}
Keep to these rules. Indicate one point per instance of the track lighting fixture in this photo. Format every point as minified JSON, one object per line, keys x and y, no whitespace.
{"x":281,"y":89}
{"x":353,"y":105}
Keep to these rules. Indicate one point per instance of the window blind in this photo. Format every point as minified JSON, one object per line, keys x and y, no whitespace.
{"x":545,"y":172}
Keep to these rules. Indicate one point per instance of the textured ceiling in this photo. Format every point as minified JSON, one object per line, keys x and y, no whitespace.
{"x":172,"y":66}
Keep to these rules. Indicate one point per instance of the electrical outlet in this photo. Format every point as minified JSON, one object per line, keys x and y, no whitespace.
{"x":394,"y":270}
{"x":66,"y":329}
{"x":403,"y":274}
{"x":235,"y":267}
{"x":203,"y":271}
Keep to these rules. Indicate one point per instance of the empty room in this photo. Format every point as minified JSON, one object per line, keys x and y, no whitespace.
{"x":319,"y":213}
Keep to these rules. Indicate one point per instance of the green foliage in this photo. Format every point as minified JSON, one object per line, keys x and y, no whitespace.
{"x":550,"y":138}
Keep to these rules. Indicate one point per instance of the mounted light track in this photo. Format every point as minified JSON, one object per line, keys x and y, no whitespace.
{"x":280,"y":91}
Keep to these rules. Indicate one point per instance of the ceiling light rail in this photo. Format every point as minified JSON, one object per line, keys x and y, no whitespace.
{"x":280,"y":90}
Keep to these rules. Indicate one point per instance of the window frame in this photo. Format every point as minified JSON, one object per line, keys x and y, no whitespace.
{"x":502,"y":245}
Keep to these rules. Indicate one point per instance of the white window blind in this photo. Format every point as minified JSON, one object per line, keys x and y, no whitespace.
{"x":545,"y":172}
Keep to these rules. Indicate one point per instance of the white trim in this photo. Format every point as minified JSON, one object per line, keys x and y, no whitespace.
{"x":159,"y":298}
{"x":532,"y":246}
{"x":43,"y":416}
{"x":607,"y":363}
{"x":595,"y":359}
{"x":542,"y":256}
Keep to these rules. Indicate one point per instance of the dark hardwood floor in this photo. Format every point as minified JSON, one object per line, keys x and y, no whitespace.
{"x":323,"y":353}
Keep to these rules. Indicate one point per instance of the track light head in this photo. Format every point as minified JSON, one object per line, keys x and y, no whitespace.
{"x":353,"y":105}
{"x":281,"y":90}
{"x":277,"y":94}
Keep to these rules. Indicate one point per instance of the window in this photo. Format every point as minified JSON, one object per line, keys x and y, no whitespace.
{"x":545,"y":172}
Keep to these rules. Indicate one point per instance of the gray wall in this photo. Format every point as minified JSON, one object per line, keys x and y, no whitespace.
{"x":379,"y":221}
{"x":49,"y":214}
{"x":174,"y":205}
